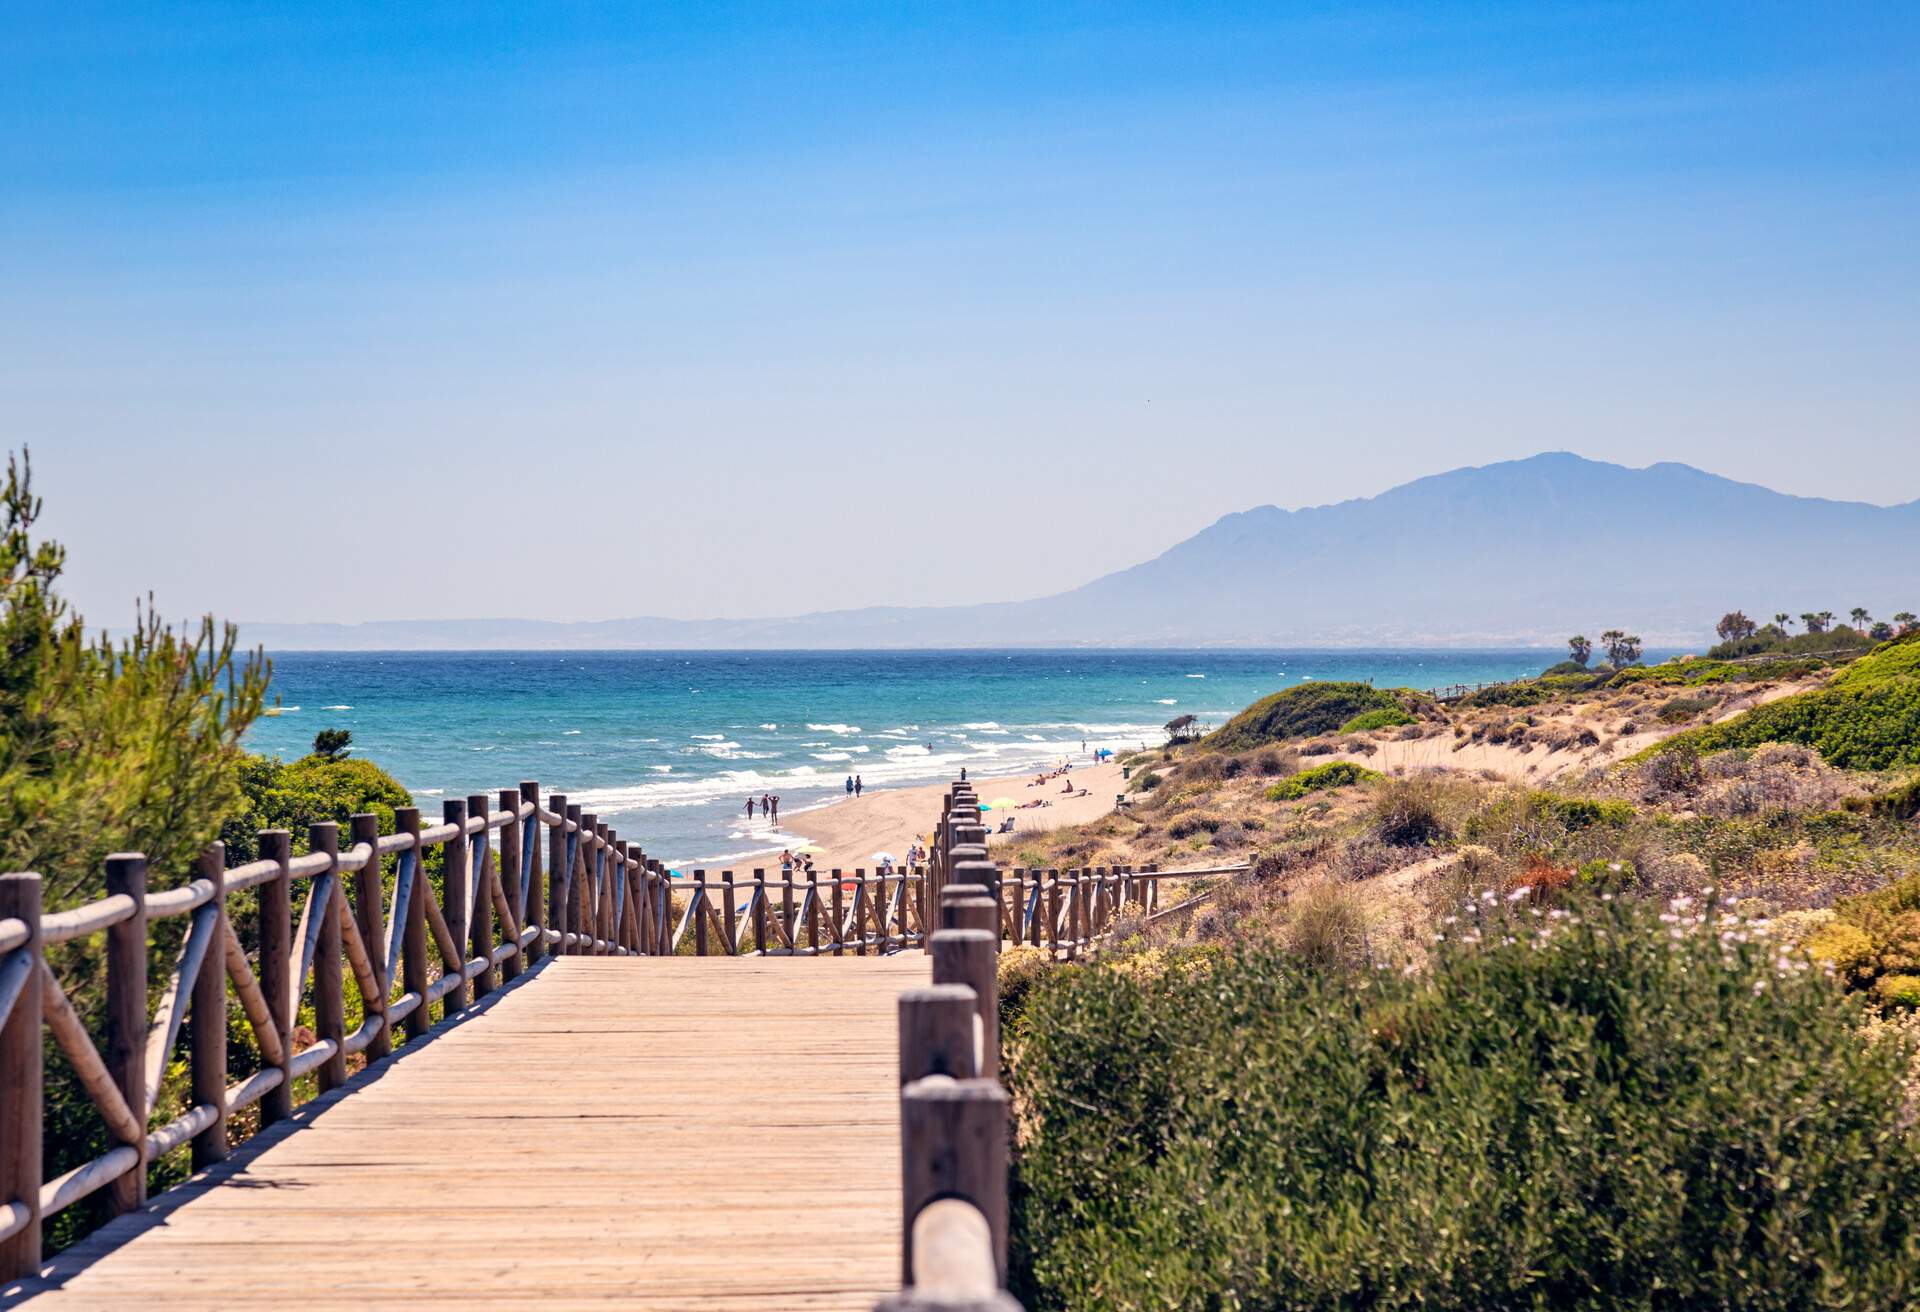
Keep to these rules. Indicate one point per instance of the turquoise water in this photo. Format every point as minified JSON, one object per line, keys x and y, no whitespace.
{"x":666,"y":746}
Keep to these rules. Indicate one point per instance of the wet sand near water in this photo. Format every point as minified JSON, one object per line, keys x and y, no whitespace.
{"x":888,"y":820}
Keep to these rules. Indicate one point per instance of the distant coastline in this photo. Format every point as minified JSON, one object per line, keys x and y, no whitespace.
{"x":668,"y":745}
{"x":1509,"y":555}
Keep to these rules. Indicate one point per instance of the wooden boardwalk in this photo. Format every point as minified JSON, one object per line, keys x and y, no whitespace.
{"x":657,"y":1132}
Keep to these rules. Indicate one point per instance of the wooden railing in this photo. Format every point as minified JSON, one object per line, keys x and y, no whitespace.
{"x":953,"y":1111}
{"x":849,"y":912}
{"x":372,"y":927}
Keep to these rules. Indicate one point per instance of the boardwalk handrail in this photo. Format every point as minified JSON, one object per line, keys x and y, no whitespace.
{"x":850,"y":911}
{"x":954,"y":1114}
{"x":391,"y":941}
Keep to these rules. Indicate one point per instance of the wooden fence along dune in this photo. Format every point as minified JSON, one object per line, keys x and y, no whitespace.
{"x":374,"y":935}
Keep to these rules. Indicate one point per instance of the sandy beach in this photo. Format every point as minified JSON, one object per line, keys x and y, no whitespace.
{"x":888,"y":820}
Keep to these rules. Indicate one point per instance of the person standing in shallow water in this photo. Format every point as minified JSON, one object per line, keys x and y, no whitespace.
{"x":858,"y":786}
{"x":749,"y":808}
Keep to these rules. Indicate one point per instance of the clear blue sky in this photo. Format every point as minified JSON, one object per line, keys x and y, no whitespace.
{"x":705,"y":309}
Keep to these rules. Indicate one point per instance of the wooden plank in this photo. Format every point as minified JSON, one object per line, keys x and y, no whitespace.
{"x":657,"y":1116}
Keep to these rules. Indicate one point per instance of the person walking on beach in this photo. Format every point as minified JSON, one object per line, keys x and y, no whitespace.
{"x":773,"y":814}
{"x":749,"y":808}
{"x":766,"y":806}
{"x":849,"y":785}
{"x":858,"y":786}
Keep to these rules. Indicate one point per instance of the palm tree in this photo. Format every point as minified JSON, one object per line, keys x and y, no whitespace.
{"x":1623,"y":648}
{"x":1906,"y":620}
{"x":1810,"y":621}
{"x":1860,"y":617}
{"x":1581,"y":649}
{"x":1782,"y":619}
{"x":1826,"y":620}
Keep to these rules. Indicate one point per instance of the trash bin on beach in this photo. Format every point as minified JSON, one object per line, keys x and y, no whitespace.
{"x":1126,"y":772}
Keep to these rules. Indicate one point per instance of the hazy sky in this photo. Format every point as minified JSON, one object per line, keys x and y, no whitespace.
{"x":341,"y":311}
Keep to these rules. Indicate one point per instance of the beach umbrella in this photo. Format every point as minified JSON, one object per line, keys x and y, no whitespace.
{"x":883,"y":856}
{"x":1004,"y":803}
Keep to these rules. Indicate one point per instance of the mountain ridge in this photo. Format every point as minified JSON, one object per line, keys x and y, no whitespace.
{"x":1512,"y":553}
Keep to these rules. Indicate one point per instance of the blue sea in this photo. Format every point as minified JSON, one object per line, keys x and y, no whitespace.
{"x":666,"y":746}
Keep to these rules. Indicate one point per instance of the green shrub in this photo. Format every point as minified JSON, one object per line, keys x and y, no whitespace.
{"x":1302,"y":712}
{"x":1676,"y":710}
{"x":1021,"y":970}
{"x":1901,"y":802}
{"x":1146,"y":783}
{"x":1898,"y":659}
{"x":1334,"y":774}
{"x":1876,"y":729}
{"x":1613,"y":1117}
{"x":1902,"y":991}
{"x":1609,"y":873}
{"x":1847,"y":948}
{"x":1194,"y":822}
{"x":1773,"y":641}
{"x":1867,"y":718}
{"x":1383,"y":717}
{"x":1406,"y":813}
{"x":1582,"y":812}
{"x":292,"y":795}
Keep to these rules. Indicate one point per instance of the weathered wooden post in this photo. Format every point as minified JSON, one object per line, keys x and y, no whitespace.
{"x":953,"y":1136}
{"x":666,"y":908}
{"x":369,"y":890}
{"x":276,"y":965}
{"x":643,"y":886}
{"x":508,"y":882}
{"x":937,"y":1033}
{"x":699,"y":920}
{"x":813,"y":912}
{"x":535,"y":901}
{"x":413,"y":925}
{"x":558,"y":873}
{"x":126,"y":1053}
{"x":860,"y":896}
{"x":968,"y":956}
{"x":579,"y":847}
{"x":623,"y":932}
{"x":22,"y":1077}
{"x":964,"y":906}
{"x":455,"y":898}
{"x":588,"y":922}
{"x":760,"y":910}
{"x":208,"y":1017}
{"x":839,"y":915}
{"x":329,"y":987}
{"x":726,"y":905}
{"x":601,"y":912}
